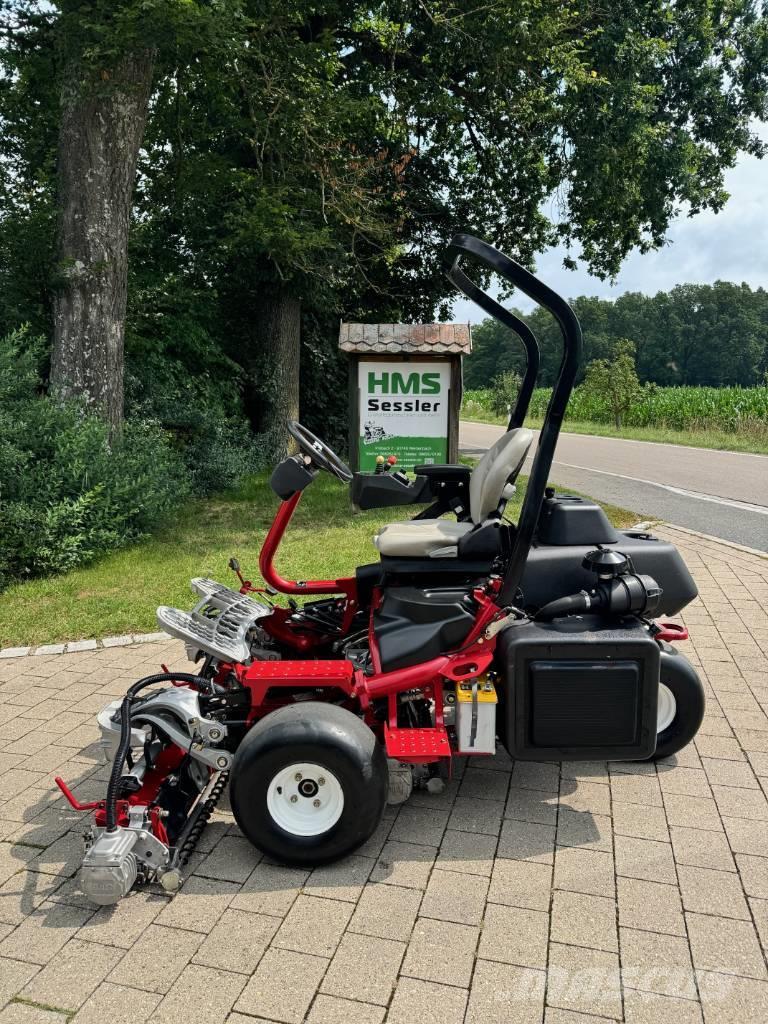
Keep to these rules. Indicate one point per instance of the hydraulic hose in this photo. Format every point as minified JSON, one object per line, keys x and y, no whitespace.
{"x":573,"y":604}
{"x":110,"y":806}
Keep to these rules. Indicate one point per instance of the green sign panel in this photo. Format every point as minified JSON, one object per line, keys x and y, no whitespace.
{"x":403,"y":412}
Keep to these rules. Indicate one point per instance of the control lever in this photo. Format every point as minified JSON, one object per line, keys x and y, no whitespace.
{"x":73,"y":801}
{"x":246,"y":587}
{"x":234,"y":565}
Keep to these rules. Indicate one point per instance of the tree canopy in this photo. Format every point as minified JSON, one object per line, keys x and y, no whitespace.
{"x":327,"y":151}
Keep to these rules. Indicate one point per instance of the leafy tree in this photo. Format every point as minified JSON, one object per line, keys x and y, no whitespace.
{"x":100,"y":57}
{"x":713,"y":334}
{"x":307,"y":158}
{"x":614,"y":381}
{"x":696,"y":334}
{"x":263,"y":181}
{"x":495,"y":349}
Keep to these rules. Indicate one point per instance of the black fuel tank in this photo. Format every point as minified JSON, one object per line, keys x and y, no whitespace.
{"x":554,"y":571}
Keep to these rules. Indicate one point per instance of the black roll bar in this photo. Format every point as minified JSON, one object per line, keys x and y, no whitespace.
{"x":467,"y":245}
{"x":532,"y":358}
{"x":514,"y":323}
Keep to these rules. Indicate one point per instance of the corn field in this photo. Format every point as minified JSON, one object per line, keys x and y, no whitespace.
{"x":728,"y":409}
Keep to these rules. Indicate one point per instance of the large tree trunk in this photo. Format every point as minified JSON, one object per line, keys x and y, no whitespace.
{"x":102,"y":125}
{"x":272,"y":365}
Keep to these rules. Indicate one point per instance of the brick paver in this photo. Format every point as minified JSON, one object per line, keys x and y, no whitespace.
{"x":541,"y":893}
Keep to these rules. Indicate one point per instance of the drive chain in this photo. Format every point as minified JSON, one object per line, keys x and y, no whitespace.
{"x":200,"y":818}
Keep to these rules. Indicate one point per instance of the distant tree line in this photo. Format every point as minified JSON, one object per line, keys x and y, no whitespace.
{"x":695,"y":334}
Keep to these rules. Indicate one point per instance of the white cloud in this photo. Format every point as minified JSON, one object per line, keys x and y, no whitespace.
{"x":729,"y":246}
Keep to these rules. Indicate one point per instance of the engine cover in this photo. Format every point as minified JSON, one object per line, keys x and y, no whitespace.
{"x":414,"y":625}
{"x":578,"y":689}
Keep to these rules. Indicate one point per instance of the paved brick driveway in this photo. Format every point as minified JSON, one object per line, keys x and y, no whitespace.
{"x":555,"y":893}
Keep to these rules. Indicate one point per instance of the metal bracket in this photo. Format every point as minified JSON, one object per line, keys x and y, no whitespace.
{"x":194,"y":745}
{"x":512,"y":616}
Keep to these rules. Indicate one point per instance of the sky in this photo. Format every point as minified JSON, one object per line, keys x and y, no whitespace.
{"x":730,"y":246}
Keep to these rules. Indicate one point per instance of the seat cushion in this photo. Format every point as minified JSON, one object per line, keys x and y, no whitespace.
{"x":419,"y":537}
{"x":428,"y":537}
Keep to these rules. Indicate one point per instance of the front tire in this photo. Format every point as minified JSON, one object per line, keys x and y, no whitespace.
{"x":681,"y":703}
{"x":309,"y":784}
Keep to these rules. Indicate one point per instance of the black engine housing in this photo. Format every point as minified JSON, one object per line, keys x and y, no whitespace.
{"x":414,"y":625}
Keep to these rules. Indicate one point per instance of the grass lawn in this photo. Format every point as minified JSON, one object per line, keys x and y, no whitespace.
{"x":118,"y":594}
{"x":718,"y":439}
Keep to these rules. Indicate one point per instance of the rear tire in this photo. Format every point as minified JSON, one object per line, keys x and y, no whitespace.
{"x":681,"y":703}
{"x":309,"y":784}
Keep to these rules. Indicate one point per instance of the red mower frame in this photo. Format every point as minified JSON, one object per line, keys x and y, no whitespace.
{"x":263,"y":678}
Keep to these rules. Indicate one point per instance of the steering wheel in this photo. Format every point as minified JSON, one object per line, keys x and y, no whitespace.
{"x":319,"y":452}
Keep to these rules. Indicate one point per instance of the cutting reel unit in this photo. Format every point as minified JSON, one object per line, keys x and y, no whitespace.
{"x":171,"y":749}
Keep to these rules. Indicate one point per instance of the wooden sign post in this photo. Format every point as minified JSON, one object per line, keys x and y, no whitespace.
{"x":405,"y":388}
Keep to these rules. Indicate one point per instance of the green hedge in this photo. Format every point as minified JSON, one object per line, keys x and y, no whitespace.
{"x":66,"y":493}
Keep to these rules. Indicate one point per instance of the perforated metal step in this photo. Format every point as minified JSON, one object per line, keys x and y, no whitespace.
{"x":417,"y":744}
{"x":219,"y":622}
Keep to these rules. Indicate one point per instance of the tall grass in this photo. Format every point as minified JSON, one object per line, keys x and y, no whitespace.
{"x":731,"y":410}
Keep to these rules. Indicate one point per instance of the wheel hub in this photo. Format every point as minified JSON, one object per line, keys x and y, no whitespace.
{"x":305,"y":799}
{"x":667,"y":708}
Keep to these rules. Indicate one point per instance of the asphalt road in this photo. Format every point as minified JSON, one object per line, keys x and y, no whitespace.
{"x":724,"y":494}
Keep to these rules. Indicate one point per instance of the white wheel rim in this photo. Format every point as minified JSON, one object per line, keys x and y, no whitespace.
{"x":667,"y":708}
{"x":305,"y":799}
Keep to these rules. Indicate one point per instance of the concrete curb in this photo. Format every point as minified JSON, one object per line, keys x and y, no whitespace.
{"x":716,"y":540}
{"x":83,"y":646}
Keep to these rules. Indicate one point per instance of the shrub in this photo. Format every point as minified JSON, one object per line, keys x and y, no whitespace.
{"x":614,"y":383}
{"x":219,"y":453}
{"x":504,"y":390}
{"x":203,"y":417}
{"x":66,"y":493}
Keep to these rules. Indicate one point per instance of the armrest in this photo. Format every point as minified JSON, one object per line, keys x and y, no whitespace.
{"x":449,"y":488}
{"x":456,"y":474}
{"x":385,"y":490}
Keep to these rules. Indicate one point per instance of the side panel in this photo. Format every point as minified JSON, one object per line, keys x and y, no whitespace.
{"x":578,"y":690}
{"x":385,"y":490}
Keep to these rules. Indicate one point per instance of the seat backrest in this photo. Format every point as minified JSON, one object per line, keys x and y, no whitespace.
{"x":498,"y":467}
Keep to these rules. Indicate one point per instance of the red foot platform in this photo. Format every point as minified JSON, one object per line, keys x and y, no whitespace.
{"x":419,"y":745}
{"x":312,"y":673}
{"x":262,"y":676}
